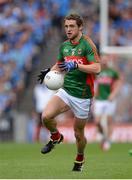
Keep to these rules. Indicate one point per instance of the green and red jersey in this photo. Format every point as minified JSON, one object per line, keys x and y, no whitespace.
{"x":104,"y":83}
{"x":77,"y":83}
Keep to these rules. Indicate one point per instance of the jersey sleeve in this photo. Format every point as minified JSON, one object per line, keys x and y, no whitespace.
{"x":91,"y":52}
{"x":116,"y":75}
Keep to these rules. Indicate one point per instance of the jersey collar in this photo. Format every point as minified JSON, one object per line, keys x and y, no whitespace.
{"x":76,"y":43}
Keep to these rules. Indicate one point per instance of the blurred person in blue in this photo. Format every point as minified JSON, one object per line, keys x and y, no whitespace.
{"x":5,"y":52}
{"x":7,"y":95}
{"x":16,"y":78}
{"x":121,"y":22}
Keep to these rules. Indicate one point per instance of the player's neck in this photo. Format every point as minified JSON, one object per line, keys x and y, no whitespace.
{"x":76,"y":40}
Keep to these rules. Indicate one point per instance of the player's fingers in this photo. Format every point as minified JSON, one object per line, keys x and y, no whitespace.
{"x":63,"y":69}
{"x":62,"y":66}
{"x":41,"y":81}
{"x":38,"y":78}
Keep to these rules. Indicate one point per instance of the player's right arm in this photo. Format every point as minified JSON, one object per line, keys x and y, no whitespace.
{"x":59,"y":59}
{"x":43,"y":72}
{"x":55,"y":67}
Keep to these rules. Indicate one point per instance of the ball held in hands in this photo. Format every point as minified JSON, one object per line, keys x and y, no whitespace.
{"x":54,"y":80}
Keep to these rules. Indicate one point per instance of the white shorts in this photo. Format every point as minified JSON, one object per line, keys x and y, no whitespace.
{"x":104,"y":107}
{"x":80,"y":107}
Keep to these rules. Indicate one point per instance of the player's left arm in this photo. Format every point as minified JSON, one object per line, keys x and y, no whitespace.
{"x":92,"y":56}
{"x":115,"y":89}
{"x":90,"y":68}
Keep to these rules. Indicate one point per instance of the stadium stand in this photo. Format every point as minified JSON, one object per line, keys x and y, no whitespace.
{"x":120,"y":23}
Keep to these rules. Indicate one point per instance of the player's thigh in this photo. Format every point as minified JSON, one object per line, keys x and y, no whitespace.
{"x":109,"y":120}
{"x":55,"y":106}
{"x":98,"y":107}
{"x":111,"y":108}
{"x":97,"y":119}
{"x":99,"y":110}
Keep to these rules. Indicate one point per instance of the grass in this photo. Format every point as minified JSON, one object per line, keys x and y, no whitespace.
{"x":24,"y":161}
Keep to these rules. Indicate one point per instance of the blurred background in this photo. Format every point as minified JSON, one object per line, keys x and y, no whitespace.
{"x":30,"y":34}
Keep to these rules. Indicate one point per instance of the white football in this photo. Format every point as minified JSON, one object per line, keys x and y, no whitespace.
{"x":54,"y":80}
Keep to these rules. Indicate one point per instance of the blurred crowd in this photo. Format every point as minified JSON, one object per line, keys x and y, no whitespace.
{"x":25,"y":27}
{"x":120,"y":22}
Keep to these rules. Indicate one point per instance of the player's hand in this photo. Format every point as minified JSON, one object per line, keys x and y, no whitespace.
{"x":111,"y":97}
{"x":68,"y":66}
{"x":42,"y":75}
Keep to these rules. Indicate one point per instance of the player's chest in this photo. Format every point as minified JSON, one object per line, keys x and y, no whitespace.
{"x":105,"y":78}
{"x":73,"y":51}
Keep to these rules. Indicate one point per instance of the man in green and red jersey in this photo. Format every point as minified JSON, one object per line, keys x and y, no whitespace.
{"x":107,"y":87}
{"x":79,"y":60}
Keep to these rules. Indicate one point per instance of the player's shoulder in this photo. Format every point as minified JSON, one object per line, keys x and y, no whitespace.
{"x":88,"y":41}
{"x":64,"y":43}
{"x":113,"y":71}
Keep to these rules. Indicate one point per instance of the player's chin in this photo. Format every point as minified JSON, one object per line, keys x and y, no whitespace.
{"x":70,"y":36}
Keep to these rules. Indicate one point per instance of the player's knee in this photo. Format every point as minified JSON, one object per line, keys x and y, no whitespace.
{"x":46,"y":116}
{"x":97,"y":123}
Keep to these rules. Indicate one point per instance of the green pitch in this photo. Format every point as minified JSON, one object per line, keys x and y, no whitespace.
{"x":19,"y":161}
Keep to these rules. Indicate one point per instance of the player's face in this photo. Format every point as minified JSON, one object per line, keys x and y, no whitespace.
{"x":72,"y":30}
{"x":104,"y":61}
